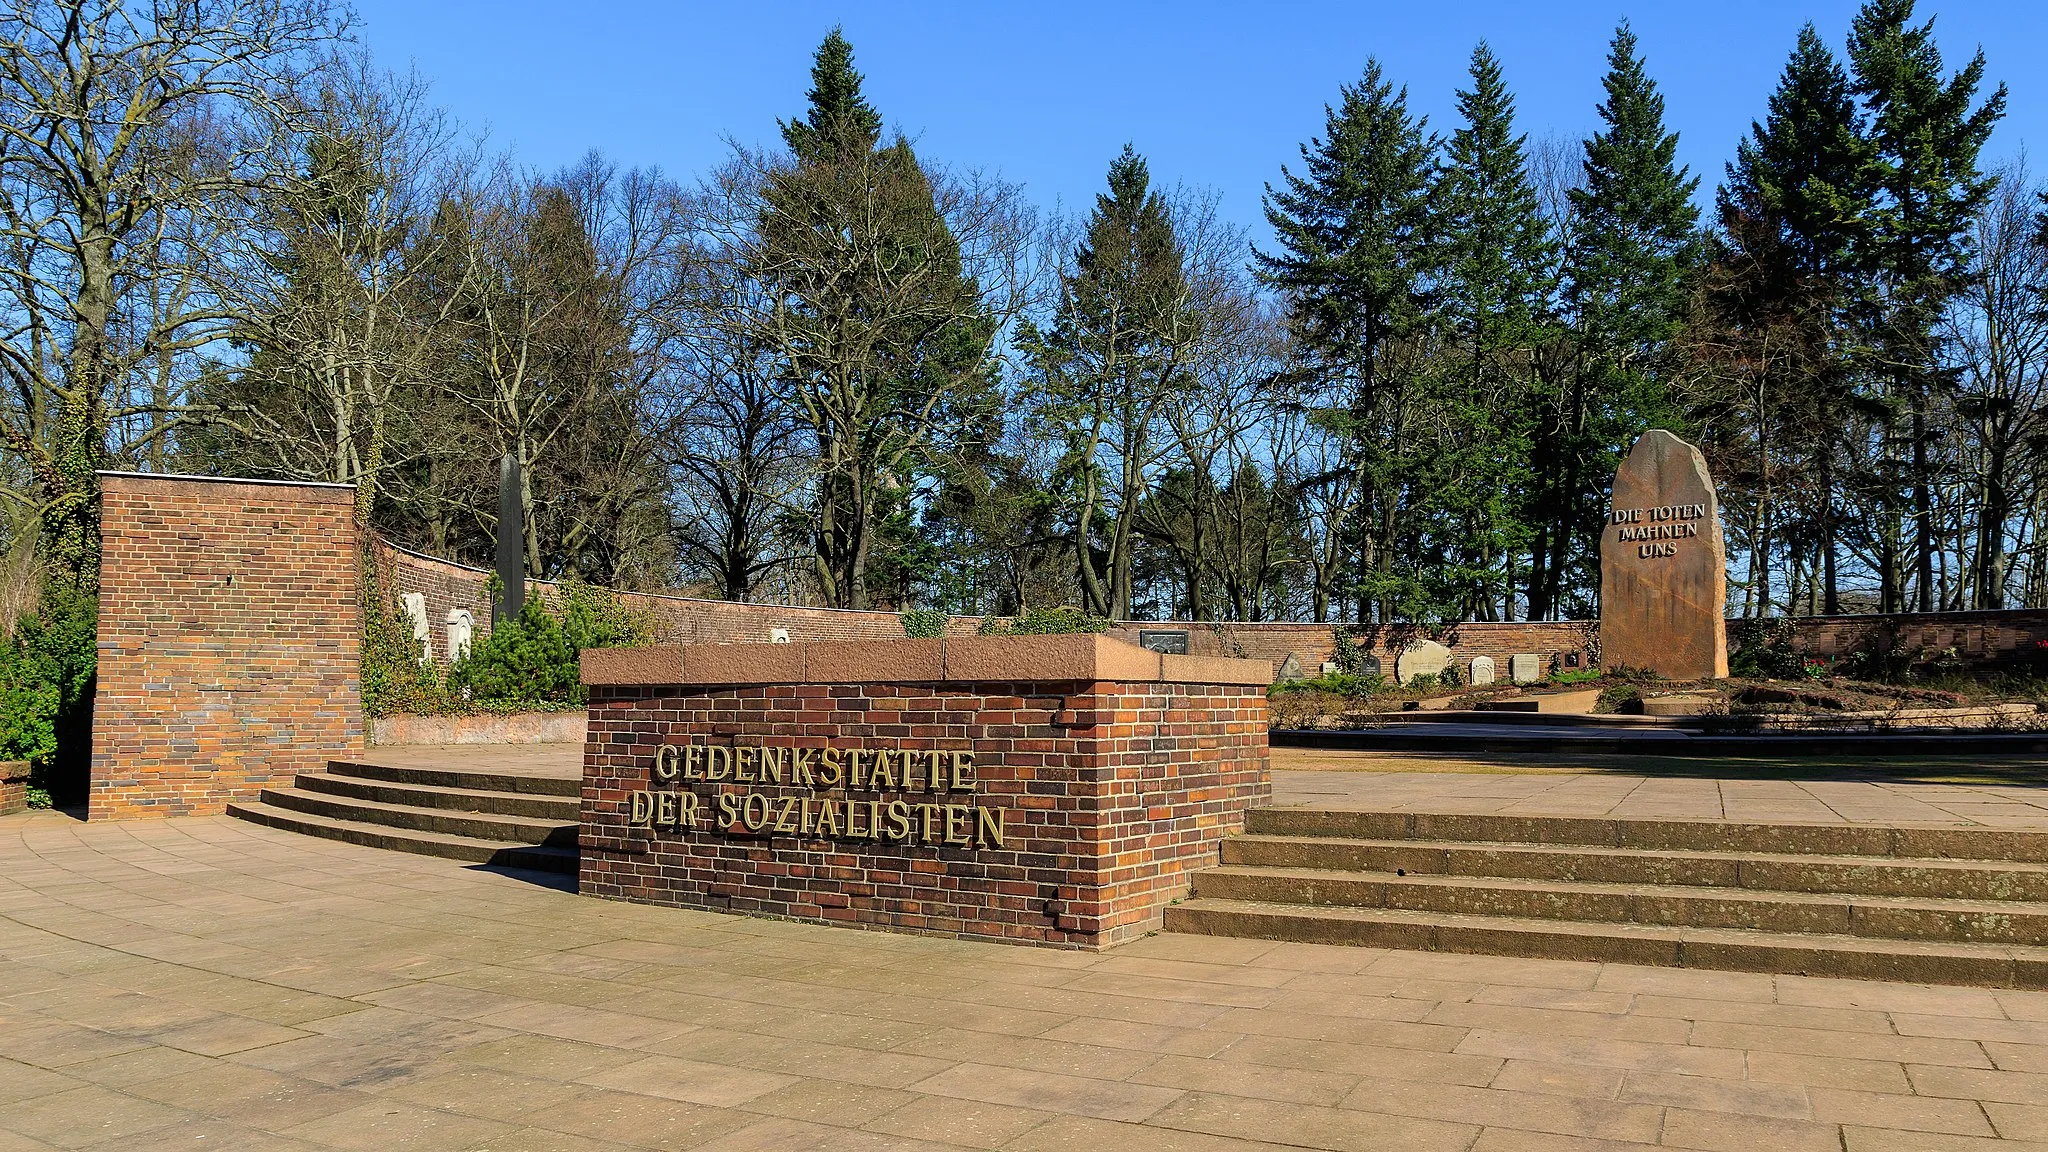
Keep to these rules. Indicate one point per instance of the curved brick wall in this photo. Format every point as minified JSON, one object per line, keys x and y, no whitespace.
{"x":1978,"y":637}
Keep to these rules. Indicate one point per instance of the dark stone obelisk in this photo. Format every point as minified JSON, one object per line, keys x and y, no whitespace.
{"x":511,"y":542}
{"x":1664,"y":565}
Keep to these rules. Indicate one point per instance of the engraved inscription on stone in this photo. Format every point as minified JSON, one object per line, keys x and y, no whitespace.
{"x":1482,"y":671}
{"x":1525,"y":667}
{"x":1663,"y":565}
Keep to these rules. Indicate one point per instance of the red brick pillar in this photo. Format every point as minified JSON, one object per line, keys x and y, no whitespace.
{"x":1047,"y":790}
{"x":230,"y":634}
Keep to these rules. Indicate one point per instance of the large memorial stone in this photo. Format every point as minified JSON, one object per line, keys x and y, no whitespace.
{"x":1422,"y":658}
{"x":1664,"y":565}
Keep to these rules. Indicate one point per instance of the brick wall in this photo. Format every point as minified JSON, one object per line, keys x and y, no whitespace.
{"x":229,"y":634}
{"x":1980,"y":637}
{"x":13,"y":786}
{"x":1117,"y":772}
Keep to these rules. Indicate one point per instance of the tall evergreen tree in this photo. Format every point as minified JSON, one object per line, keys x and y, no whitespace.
{"x":1794,"y":218}
{"x":1634,"y":242}
{"x":1354,"y":264}
{"x":1496,"y":287}
{"x":1116,"y":354}
{"x":1927,"y":130}
{"x":882,"y":334}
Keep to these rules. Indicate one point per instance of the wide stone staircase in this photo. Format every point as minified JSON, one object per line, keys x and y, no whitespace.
{"x":1923,"y":904}
{"x":511,"y":820}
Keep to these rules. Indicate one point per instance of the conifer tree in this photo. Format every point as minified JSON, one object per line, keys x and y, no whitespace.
{"x":1495,"y":291}
{"x":1115,"y":354}
{"x":883,"y":335}
{"x":1634,"y":242}
{"x":1794,"y":218}
{"x":1927,"y":135}
{"x":1353,"y":264}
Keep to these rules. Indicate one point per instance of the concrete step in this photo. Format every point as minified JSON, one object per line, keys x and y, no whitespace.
{"x":479,"y":826}
{"x":1916,"y":842}
{"x":471,"y":849}
{"x":560,"y":809}
{"x":460,"y":778}
{"x":1729,"y":949}
{"x":1874,"y":917}
{"x":1760,"y":871}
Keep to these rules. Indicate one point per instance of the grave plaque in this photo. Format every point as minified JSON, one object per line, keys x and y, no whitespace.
{"x":1663,"y":565}
{"x":1173,"y":641}
{"x":1525,"y":667}
{"x":1422,"y":658}
{"x":1482,"y":671}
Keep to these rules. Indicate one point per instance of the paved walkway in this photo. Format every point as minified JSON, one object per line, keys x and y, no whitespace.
{"x":211,"y":984}
{"x":1622,"y":795}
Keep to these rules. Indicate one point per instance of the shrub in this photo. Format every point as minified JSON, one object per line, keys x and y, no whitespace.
{"x":1764,"y":650}
{"x":1045,"y":622}
{"x":1346,"y":684}
{"x":395,"y":680}
{"x":533,"y":659}
{"x":924,"y":623}
{"x":46,"y":686}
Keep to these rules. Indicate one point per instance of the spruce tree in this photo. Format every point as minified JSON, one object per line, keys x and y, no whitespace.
{"x":1495,"y":290}
{"x":883,"y":337}
{"x":1927,"y":130}
{"x":1114,"y":355}
{"x":1354,"y":266}
{"x":1794,"y":217}
{"x":1634,"y":243}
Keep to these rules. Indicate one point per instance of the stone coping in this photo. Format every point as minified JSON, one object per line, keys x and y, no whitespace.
{"x":960,"y":659}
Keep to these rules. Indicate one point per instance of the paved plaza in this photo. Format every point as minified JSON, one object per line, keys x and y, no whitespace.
{"x":210,"y":984}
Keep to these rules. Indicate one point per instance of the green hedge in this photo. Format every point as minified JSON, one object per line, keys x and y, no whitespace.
{"x":525,"y":665}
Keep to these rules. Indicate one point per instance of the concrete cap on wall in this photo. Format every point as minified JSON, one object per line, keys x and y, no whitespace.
{"x":176,"y":483}
{"x":958,"y":659}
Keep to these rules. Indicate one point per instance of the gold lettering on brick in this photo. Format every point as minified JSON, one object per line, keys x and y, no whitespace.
{"x":988,"y":828}
{"x":749,"y":811}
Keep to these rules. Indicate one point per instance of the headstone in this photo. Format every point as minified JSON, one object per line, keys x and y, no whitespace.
{"x":1172,"y":641}
{"x":1422,"y":658}
{"x":1290,"y":668}
{"x":1664,"y":565}
{"x":1525,"y":667}
{"x":1369,"y":665}
{"x":415,"y":605}
{"x":461,"y":632}
{"x":1482,"y":671}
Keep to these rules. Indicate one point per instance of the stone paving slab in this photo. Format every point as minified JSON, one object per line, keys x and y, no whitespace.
{"x":1627,"y":796}
{"x":210,"y":983}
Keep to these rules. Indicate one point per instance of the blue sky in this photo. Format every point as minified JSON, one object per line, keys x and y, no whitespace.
{"x":1215,"y":95}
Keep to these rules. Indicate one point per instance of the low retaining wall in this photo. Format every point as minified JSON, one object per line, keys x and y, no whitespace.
{"x":1047,"y":790}
{"x":1979,"y":638}
{"x":516,"y":728}
{"x":13,"y":786}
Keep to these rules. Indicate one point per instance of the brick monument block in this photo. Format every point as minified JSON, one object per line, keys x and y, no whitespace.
{"x":1664,"y":565}
{"x":1050,"y":790}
